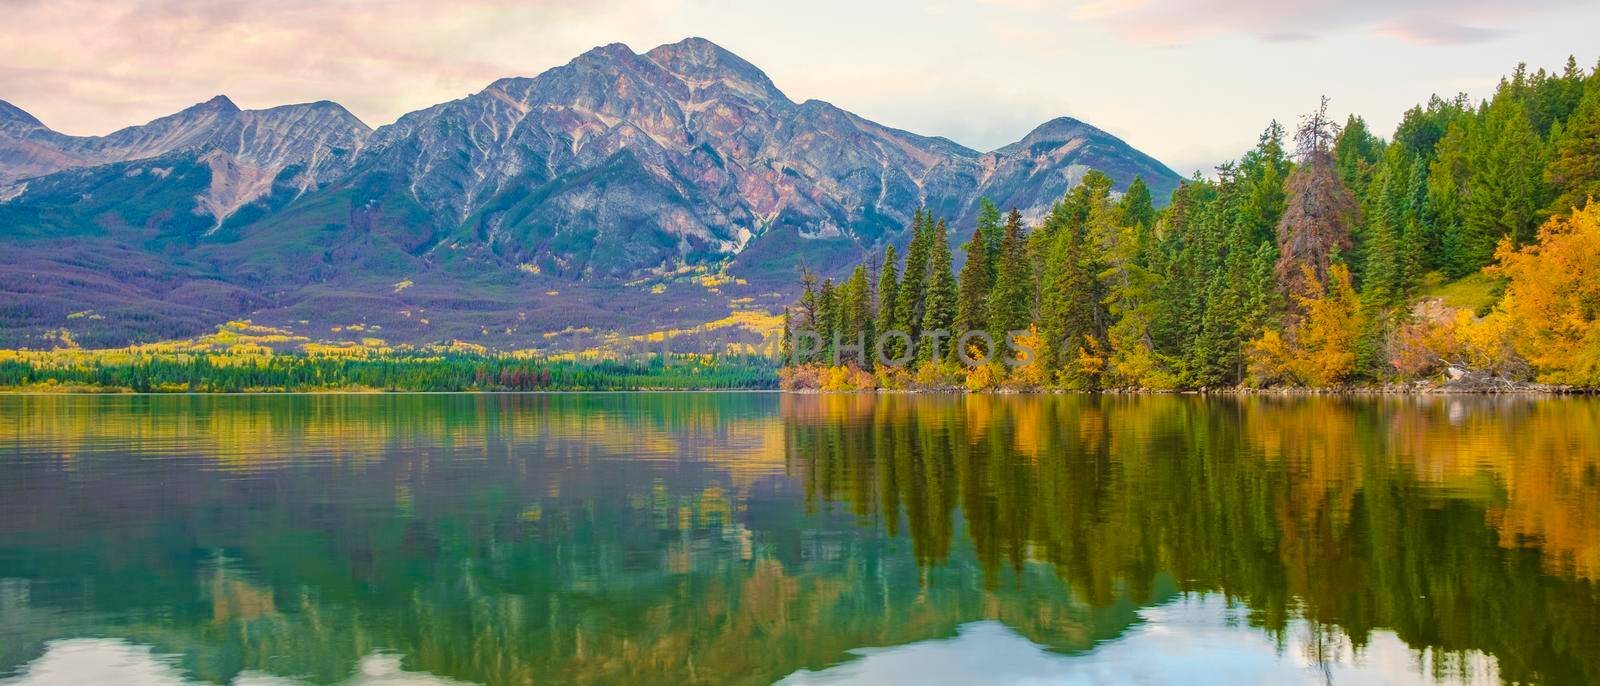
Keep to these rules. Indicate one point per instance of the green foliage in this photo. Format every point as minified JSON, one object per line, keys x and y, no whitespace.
{"x":1311,"y":264}
{"x":432,"y":372}
{"x":1011,"y":303}
{"x":939,"y":310}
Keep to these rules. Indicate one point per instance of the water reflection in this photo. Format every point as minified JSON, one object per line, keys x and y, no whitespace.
{"x":743,"y":538}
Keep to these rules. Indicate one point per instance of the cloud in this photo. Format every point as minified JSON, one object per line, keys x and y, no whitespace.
{"x":1175,"y":22}
{"x":1438,"y":33}
{"x":86,"y":66}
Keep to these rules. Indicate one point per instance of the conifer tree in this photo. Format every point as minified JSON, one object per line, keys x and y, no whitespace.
{"x":1357,"y":153}
{"x":888,"y":288}
{"x":989,"y":223}
{"x":1505,"y":181}
{"x":827,"y":318}
{"x":972,"y":299}
{"x":856,"y":321}
{"x":1136,"y":209}
{"x":1067,"y":311}
{"x":914,"y":282}
{"x":939,"y":311}
{"x":1260,"y":177}
{"x":1574,"y":168}
{"x":1011,"y":301}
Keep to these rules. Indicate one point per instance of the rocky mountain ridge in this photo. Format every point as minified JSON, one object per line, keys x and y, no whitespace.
{"x":607,"y":180}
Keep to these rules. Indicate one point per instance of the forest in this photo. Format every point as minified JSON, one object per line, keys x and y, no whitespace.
{"x":167,"y":372}
{"x":1463,"y":250}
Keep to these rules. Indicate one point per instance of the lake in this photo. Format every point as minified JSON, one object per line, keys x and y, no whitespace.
{"x":753,"y":538}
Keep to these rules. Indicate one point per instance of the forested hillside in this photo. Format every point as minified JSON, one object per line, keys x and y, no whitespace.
{"x":1462,"y":249}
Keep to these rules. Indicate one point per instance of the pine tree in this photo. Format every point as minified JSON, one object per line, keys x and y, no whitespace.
{"x":1067,"y":311}
{"x":888,"y":297}
{"x":1357,"y":153}
{"x":972,"y":300}
{"x":1011,"y":301}
{"x":1504,"y":187}
{"x":1574,"y":168}
{"x":939,"y":311}
{"x":1135,"y":209}
{"x":856,"y":321}
{"x":914,"y":282}
{"x":1260,"y":177}
{"x":827,"y":318}
{"x":989,"y":224}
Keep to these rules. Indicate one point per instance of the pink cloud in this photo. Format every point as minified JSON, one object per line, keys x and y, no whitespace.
{"x":85,"y":66}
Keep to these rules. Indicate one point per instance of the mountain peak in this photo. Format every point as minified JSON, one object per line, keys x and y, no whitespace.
{"x":698,"y":59}
{"x":15,"y":117}
{"x":217,"y":103}
{"x":1062,"y":127}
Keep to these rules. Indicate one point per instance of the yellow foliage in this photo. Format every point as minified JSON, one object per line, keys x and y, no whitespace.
{"x":1319,"y":348}
{"x":1030,"y":372}
{"x":403,"y":285}
{"x":980,"y":377}
{"x":1552,"y":298}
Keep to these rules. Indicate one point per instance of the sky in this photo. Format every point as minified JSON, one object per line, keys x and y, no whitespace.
{"x":1192,"y":82}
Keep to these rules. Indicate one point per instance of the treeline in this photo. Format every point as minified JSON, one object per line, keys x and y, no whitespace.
{"x":224,"y":373}
{"x":1290,"y":267}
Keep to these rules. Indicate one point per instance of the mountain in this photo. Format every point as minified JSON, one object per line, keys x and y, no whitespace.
{"x":646,"y":191}
{"x":244,"y":149}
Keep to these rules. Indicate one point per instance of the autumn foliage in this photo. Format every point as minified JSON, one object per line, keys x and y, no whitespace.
{"x":1319,"y":347}
{"x":1552,"y":298}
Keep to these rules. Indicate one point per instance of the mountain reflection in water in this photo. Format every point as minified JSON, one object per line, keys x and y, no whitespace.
{"x":749,"y":538}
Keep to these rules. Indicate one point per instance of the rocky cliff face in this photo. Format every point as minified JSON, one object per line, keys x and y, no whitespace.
{"x":245,"y":149}
{"x":602,"y":180}
{"x":617,"y":162}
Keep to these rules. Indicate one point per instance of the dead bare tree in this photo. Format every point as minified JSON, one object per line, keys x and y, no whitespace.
{"x":1320,"y":212}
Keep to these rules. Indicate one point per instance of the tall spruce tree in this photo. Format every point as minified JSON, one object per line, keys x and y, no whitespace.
{"x":1505,"y":183}
{"x":1067,"y":310}
{"x":827,"y":318}
{"x":1136,"y":209}
{"x":1011,"y":301}
{"x":856,"y":320}
{"x":939,"y":311}
{"x":888,"y":299}
{"x":972,"y":299}
{"x":989,"y":222}
{"x":914,"y":282}
{"x":1574,"y":168}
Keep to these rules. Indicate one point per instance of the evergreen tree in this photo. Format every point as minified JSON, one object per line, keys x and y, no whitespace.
{"x":1069,"y":309}
{"x":1260,"y":177}
{"x":888,"y":297}
{"x":1011,"y":301}
{"x":913,"y":284}
{"x":828,"y":316}
{"x":1135,"y":209}
{"x":972,"y":299}
{"x":855,"y":325}
{"x":989,"y":224}
{"x":1574,"y":168}
{"x":939,"y":311}
{"x":1357,"y":153}
{"x":1504,"y":187}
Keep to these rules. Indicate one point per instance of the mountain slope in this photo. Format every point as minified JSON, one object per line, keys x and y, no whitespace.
{"x":244,"y":149}
{"x":619,"y":181}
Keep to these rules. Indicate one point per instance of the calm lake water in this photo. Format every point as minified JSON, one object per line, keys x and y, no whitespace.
{"x":758,"y":538}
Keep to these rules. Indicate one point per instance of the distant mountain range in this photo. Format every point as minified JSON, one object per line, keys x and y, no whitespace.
{"x":620,"y":192}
